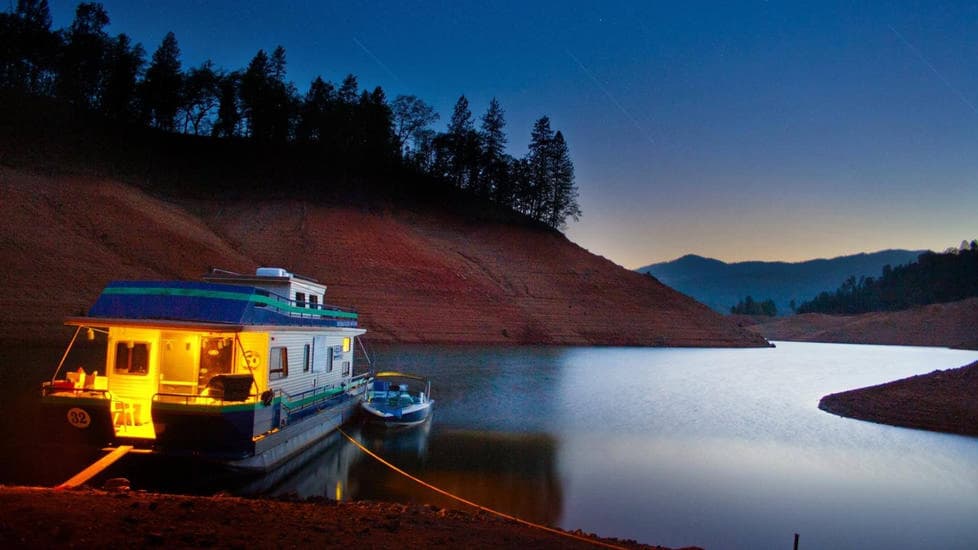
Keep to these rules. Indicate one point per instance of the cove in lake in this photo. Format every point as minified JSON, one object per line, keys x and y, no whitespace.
{"x":712,"y":447}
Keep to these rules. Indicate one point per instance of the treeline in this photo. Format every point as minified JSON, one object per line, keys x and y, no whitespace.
{"x":933,"y":278}
{"x":85,"y":68}
{"x":748,"y":306}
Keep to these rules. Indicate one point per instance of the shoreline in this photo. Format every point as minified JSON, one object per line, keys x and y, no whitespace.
{"x":941,"y":401}
{"x":86,"y":518}
{"x":948,"y":324}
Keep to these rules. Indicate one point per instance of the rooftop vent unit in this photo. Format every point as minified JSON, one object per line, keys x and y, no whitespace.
{"x":272,"y":272}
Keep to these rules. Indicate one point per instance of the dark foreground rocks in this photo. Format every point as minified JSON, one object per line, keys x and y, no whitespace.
{"x":45,"y":518}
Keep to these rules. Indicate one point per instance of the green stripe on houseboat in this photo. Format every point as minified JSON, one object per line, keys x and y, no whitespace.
{"x":213,"y":408}
{"x":225,"y":295}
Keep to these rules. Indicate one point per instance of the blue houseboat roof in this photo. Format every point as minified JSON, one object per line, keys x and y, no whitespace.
{"x":211,"y":303}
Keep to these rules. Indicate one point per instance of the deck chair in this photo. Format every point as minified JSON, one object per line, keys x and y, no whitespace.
{"x":122,"y":413}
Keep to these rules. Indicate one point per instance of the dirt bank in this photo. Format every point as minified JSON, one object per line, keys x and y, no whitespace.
{"x":44,"y":518}
{"x":946,"y":325}
{"x":414,"y":276}
{"x":943,"y":401}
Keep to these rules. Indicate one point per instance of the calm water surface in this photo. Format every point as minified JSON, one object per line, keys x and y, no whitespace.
{"x":717,"y":448}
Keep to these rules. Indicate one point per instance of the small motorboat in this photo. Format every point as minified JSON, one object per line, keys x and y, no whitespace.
{"x":397,"y":399}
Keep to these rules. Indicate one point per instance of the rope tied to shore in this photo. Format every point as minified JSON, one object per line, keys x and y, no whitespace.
{"x":441,"y":491}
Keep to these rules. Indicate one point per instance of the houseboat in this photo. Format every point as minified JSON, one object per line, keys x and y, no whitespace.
{"x":243,"y":370}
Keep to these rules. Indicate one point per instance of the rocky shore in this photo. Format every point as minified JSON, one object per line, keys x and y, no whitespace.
{"x":46,"y":518}
{"x":944,"y":401}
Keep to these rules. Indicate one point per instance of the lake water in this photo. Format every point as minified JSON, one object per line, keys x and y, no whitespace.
{"x":716,"y":448}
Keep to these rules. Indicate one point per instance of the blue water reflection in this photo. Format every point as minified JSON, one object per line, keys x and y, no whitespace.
{"x":713,"y":447}
{"x":719,"y":448}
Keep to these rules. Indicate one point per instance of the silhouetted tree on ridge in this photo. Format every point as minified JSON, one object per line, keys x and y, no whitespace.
{"x":412,"y":117}
{"x":748,"y":306}
{"x":82,"y":59}
{"x":28,"y":48}
{"x":933,"y":278}
{"x":124,"y":64}
{"x":494,"y":177}
{"x":162,"y":87}
{"x":201,"y":95}
{"x":228,"y":121}
{"x":342,"y":128}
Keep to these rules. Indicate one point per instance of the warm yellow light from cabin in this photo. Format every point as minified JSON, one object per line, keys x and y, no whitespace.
{"x":346,"y":344}
{"x":339,"y":490}
{"x":251,"y":357}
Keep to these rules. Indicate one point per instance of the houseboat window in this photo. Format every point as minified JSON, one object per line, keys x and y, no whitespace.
{"x":278,"y":363}
{"x":346,"y":368}
{"x":300,"y":299}
{"x":329,"y":358}
{"x":306,"y":357}
{"x":132,"y":358}
{"x":215,"y":358}
{"x":313,"y":301}
{"x":347,"y":344}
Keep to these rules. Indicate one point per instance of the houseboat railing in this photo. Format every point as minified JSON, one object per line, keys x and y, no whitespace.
{"x":303,"y":308}
{"x":48,"y":388}
{"x":310,"y":401}
{"x":299,"y":404}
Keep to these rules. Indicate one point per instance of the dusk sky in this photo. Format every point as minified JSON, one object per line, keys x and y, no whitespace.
{"x":740,"y":131}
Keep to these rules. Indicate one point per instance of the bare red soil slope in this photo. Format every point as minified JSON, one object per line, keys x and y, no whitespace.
{"x":943,"y":400}
{"x":414,"y":277}
{"x":951,"y":325}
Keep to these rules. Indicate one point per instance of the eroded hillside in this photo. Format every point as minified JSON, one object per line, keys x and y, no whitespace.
{"x":414,"y":276}
{"x":951,"y":324}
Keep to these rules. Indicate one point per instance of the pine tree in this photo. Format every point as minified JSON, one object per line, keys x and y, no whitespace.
{"x":563,"y":203}
{"x":315,"y":109}
{"x":348,"y":90}
{"x":124,"y":64}
{"x":82,"y":61}
{"x":541,"y":186}
{"x":463,"y":146}
{"x":254,"y":95}
{"x":494,"y":173}
{"x":28,"y":48}
{"x":281,"y":98}
{"x":163,"y":85}
{"x":374,"y":127}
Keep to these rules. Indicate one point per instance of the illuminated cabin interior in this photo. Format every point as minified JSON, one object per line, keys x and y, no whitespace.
{"x":186,"y":352}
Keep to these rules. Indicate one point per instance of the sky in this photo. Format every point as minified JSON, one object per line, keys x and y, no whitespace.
{"x":734,"y":130}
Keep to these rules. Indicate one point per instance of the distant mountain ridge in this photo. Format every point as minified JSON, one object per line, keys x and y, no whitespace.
{"x":720,"y":285}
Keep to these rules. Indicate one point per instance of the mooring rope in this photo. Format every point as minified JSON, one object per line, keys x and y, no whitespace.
{"x":380,"y":459}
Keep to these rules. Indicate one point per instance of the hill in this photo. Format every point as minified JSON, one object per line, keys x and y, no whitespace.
{"x":950,"y":324}
{"x":415,"y":275}
{"x":721,"y":285}
{"x":933,"y":278}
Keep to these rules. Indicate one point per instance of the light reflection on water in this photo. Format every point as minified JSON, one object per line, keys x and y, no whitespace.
{"x":718,"y":448}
